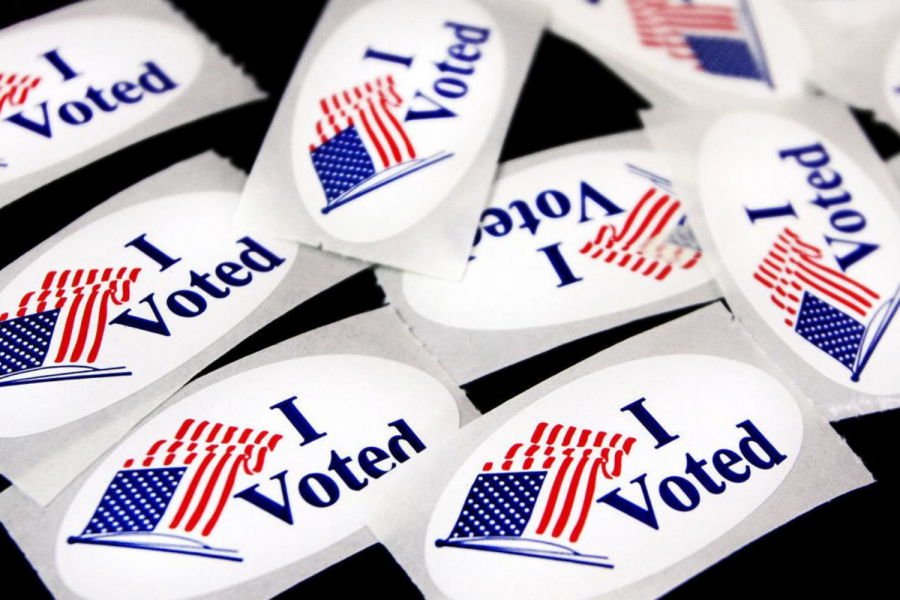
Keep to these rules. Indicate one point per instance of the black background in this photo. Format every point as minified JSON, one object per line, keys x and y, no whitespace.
{"x":849,"y":545}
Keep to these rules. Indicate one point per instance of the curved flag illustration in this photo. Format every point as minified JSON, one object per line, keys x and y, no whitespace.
{"x":57,"y":332}
{"x":361,"y":145}
{"x":502,"y":512}
{"x":830,"y":310}
{"x":14,"y":89}
{"x":145,"y":507}
{"x":654,"y":240}
{"x":720,"y":40}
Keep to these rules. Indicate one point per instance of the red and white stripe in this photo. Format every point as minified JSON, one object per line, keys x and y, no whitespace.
{"x":219,"y":455}
{"x":371,"y":109}
{"x":641,"y":246}
{"x":793,"y":266}
{"x":663,"y":24}
{"x":83,"y":297}
{"x":579,"y":456}
{"x":14,"y":89}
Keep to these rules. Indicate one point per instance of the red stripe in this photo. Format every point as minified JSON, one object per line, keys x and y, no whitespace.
{"x":645,"y":223}
{"x":629,"y":222}
{"x":664,"y":273}
{"x":152,"y":451}
{"x":228,"y":434}
{"x":395,"y":150}
{"x":223,"y":497}
{"x":260,"y":459}
{"x":670,"y":212}
{"x":554,"y":493}
{"x":586,"y":503}
{"x":570,"y":496}
{"x":830,"y":294}
{"x":530,"y":454}
{"x":214,"y":432}
{"x":570,"y":433}
{"x":617,"y":465}
{"x":583,"y":438}
{"x":538,"y":432}
{"x":840,"y":276}
{"x":192,"y":488}
{"x":767,"y":272}
{"x":553,"y":433}
{"x":101,"y":327}
{"x":199,"y":431}
{"x":70,"y":325}
{"x":410,"y":151}
{"x":381,"y":154}
{"x":85,"y":325}
{"x":182,"y":431}
{"x":208,"y":490}
{"x":507,"y":465}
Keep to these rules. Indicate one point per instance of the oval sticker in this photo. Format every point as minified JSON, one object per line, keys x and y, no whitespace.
{"x":246,"y":476}
{"x":76,"y":84}
{"x":569,"y":239}
{"x":390,"y":118}
{"x":125,"y":300}
{"x":754,"y":49}
{"x":811,"y":242}
{"x":612,"y":478}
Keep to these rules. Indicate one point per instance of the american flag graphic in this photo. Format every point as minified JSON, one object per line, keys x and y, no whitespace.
{"x":718,"y":39}
{"x":361,"y":144}
{"x":14,"y":89}
{"x":62,"y":325}
{"x":178,"y":489}
{"x":834,"y":312}
{"x":502,"y":512}
{"x":654,"y":240}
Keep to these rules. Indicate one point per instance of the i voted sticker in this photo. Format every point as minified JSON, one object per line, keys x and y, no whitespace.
{"x":745,"y":47}
{"x":812,"y":243}
{"x":125,"y":300}
{"x":392,"y":113}
{"x":72,"y":85}
{"x":613,"y":478}
{"x":583,"y":236}
{"x":246,"y":476}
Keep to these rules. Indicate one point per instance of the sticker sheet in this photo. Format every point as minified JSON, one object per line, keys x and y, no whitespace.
{"x":109,"y":317}
{"x":574,"y":241}
{"x":703,"y":53}
{"x":243,"y":484}
{"x":386,"y":141}
{"x":621,"y":477}
{"x":85,"y":81}
{"x":801,"y":222}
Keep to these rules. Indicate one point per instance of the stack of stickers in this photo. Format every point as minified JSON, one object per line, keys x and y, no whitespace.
{"x":624,"y":475}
